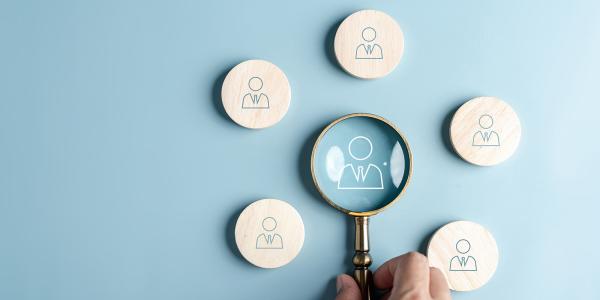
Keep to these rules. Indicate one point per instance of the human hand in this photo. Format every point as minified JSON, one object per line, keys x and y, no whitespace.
{"x":405,"y":277}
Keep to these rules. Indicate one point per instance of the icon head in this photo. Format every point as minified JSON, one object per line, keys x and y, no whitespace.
{"x":360,"y":147}
{"x":255,"y":83}
{"x":463,"y":246}
{"x":369,"y":34}
{"x":269,"y":224}
{"x":486,"y":121}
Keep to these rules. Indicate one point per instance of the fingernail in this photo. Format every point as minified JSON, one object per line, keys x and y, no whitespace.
{"x":338,"y":284}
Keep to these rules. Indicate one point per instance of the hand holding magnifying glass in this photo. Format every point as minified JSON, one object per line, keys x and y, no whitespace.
{"x":361,"y":164}
{"x":401,"y":278}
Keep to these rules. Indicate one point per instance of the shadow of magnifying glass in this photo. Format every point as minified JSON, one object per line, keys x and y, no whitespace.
{"x":361,"y":164}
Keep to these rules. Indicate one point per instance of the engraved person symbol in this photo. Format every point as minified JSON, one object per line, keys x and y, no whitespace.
{"x":486,"y":136}
{"x":255,"y":99}
{"x":369,"y":49}
{"x":269,"y":239}
{"x":360,"y":177}
{"x":463,"y":262}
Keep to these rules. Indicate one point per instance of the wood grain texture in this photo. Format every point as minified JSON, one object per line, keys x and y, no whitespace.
{"x":256,"y":94}
{"x":466,"y":253}
{"x":369,"y":44}
{"x":269,"y":233}
{"x":485,"y":131}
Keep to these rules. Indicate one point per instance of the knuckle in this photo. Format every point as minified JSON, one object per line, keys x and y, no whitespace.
{"x":416,"y":257}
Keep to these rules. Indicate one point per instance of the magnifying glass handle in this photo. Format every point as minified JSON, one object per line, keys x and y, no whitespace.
{"x":362,"y":259}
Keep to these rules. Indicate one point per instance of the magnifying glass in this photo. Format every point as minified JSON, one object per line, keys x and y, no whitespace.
{"x":361,"y":164}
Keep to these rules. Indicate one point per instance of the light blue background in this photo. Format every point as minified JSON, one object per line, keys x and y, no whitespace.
{"x":121,"y":178}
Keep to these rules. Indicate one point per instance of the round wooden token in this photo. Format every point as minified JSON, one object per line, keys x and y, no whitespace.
{"x":269,"y":233}
{"x":466,"y":253}
{"x":369,"y":44}
{"x":485,"y":131}
{"x":256,"y":94}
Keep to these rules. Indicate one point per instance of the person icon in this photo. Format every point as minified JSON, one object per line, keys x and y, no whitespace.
{"x":255,"y":99}
{"x":360,"y":177}
{"x":486,"y":136}
{"x":463,"y":263}
{"x":369,"y":49}
{"x":268,"y":239}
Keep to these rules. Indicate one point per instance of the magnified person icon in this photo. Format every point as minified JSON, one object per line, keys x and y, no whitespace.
{"x":463,"y":262}
{"x":369,"y":49}
{"x":255,"y":99}
{"x":360,"y":177}
{"x":268,"y":239}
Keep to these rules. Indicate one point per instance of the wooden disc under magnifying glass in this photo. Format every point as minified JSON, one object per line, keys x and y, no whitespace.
{"x":269,"y":233}
{"x":256,"y":94}
{"x":466,"y":253}
{"x":485,"y":131}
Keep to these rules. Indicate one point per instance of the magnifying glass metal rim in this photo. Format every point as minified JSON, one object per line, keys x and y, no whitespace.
{"x":314,"y":152}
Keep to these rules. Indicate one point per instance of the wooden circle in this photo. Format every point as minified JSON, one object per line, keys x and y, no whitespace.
{"x":466,"y":253}
{"x":269,"y":233}
{"x":369,"y":44}
{"x":256,"y":94}
{"x":485,"y":131}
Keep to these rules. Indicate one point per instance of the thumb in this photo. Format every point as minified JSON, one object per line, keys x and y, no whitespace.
{"x":347,"y":289}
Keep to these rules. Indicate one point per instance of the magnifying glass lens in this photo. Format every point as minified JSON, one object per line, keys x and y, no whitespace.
{"x":361,"y":163}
